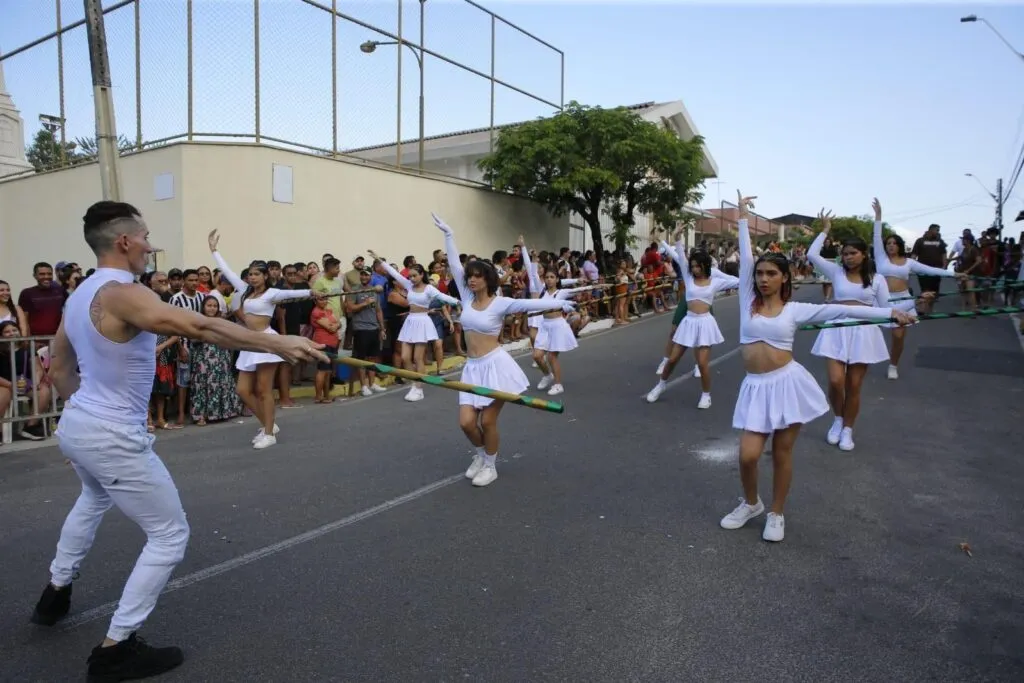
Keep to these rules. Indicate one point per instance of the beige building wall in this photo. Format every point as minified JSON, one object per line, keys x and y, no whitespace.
{"x":41,"y":215}
{"x":186,"y":190}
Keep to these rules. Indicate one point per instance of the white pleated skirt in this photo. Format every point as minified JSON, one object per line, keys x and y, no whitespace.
{"x":697,"y":330}
{"x":777,"y":399}
{"x":907,"y":306}
{"x":248,"y":360}
{"x":534,"y":321}
{"x":418,"y":328}
{"x":497,"y":370}
{"x":862,"y":344}
{"x":555,"y":335}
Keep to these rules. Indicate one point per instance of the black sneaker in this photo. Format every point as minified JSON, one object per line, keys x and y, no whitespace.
{"x":131,"y":659}
{"x":52,"y":606}
{"x":34,"y":432}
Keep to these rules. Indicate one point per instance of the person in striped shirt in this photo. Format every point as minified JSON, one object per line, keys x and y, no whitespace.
{"x":190,"y":298}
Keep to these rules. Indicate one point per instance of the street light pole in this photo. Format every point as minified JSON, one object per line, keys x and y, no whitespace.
{"x":371,"y":46}
{"x":972,"y":18}
{"x":997,"y":198}
{"x":106,"y":130}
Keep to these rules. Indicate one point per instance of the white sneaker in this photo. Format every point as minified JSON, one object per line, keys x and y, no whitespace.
{"x":545,"y":382}
{"x":661,"y":367}
{"x":533,"y":364}
{"x":486,"y":475}
{"x":774,"y":528}
{"x":705,"y":401}
{"x":833,"y":433}
{"x":846,"y":439}
{"x":656,"y":392}
{"x":475,"y":467}
{"x":264,"y":441}
{"x":556,"y":390}
{"x":377,"y":388}
{"x":696,"y":371}
{"x":415,"y":394}
{"x":743,"y":513}
{"x":277,"y":430}
{"x":365,"y":391}
{"x":893,"y":372}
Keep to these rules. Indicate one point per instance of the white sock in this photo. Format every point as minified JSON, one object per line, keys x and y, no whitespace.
{"x":489,"y":459}
{"x":664,"y":359}
{"x":838,"y":422}
{"x":480,"y":451}
{"x":662,"y":383}
{"x":705,"y":394}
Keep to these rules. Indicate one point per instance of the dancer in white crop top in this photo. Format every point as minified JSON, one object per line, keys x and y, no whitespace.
{"x":257,"y":370}
{"x":849,"y":350}
{"x":487,"y":365}
{"x":896,"y":268}
{"x":533,"y":272}
{"x":102,"y":362}
{"x":418,"y":331}
{"x":698,"y":330}
{"x":555,"y":336}
{"x":778,"y":395}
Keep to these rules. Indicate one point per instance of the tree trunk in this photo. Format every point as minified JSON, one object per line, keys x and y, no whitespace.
{"x":594,"y":221}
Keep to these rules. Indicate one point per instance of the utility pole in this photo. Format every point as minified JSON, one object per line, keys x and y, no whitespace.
{"x":999,"y":206}
{"x":106,"y":129}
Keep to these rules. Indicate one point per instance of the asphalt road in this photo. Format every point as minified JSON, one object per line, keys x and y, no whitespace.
{"x":355,"y":551}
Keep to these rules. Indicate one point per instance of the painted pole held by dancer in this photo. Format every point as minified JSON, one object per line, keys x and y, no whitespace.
{"x":435,"y":381}
{"x":1005,"y":310}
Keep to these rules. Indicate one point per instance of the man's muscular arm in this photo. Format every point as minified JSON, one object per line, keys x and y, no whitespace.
{"x":63,"y":365}
{"x":141,"y":308}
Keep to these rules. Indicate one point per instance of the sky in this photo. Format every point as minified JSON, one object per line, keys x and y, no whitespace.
{"x":806,"y":105}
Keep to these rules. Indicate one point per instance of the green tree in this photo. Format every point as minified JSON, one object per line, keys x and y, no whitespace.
{"x":848,"y":227}
{"x":592,"y":160}
{"x":87,"y":146}
{"x":45,"y":152}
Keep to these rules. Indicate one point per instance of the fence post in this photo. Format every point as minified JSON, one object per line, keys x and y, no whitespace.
{"x":334,"y":78}
{"x":256,"y":50}
{"x":138,"y":80}
{"x":398,"y":118}
{"x":188,"y":57}
{"x":491,"y":129}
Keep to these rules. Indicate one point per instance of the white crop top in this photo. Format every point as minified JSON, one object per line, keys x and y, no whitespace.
{"x":422,"y":299}
{"x":718,"y":282}
{"x":843,"y":289}
{"x":265,"y":303}
{"x":490,"y":320}
{"x":780,"y":330}
{"x":911,"y":266}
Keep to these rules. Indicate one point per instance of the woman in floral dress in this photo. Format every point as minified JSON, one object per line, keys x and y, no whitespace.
{"x":213,"y":381}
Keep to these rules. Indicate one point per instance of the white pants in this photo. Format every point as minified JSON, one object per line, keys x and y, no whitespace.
{"x":117,"y":466}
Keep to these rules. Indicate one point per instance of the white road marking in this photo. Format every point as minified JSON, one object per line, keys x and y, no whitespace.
{"x":101,"y":611}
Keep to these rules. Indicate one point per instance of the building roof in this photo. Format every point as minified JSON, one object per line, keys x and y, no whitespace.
{"x":476,"y":141}
{"x":794,"y":219}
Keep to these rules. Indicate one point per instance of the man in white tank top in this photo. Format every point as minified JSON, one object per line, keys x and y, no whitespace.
{"x":103,"y":361}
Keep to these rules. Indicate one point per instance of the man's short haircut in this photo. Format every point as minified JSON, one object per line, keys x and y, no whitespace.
{"x":105,"y":221}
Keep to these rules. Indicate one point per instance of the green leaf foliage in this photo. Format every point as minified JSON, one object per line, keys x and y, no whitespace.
{"x":592,"y":161}
{"x":848,"y":227}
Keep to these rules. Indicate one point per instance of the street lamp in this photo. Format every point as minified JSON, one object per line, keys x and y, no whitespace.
{"x":971,"y":175}
{"x":370,"y":46}
{"x":972,"y":18}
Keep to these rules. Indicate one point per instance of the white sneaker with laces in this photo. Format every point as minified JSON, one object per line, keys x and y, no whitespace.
{"x":655,"y":393}
{"x":277,"y":430}
{"x":415,"y":394}
{"x":696,"y":371}
{"x":893,"y":373}
{"x":661,"y":367}
{"x":774,"y":528}
{"x":556,"y":390}
{"x":365,"y":391}
{"x":846,"y":439}
{"x":743,"y":513}
{"x":486,"y":475}
{"x":705,"y":401}
{"x":377,"y":389}
{"x":264,"y":441}
{"x":545,"y":382}
{"x":475,"y":467}
{"x":833,"y":433}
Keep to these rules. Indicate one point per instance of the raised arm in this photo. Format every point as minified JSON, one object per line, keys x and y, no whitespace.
{"x":746,"y":285}
{"x":212,"y":240}
{"x":454,"y":264}
{"x":402,"y":281}
{"x":814,"y":256}
{"x":536,"y":286}
{"x":723,"y":282}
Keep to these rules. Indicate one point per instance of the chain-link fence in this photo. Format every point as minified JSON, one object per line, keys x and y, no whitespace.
{"x":389,"y":81}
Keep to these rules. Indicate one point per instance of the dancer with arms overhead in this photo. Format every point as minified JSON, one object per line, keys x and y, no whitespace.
{"x":778,"y":395}
{"x":487,"y":365}
{"x":102,"y":362}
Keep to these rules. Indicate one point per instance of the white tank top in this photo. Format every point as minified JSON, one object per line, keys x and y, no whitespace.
{"x":116,"y":378}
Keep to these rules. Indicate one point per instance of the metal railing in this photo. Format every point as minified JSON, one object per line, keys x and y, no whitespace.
{"x":27,"y":384}
{"x":263,"y":72}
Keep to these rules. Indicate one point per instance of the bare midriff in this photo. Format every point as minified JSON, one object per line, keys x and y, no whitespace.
{"x":257,"y":323}
{"x":897,"y":285}
{"x":761,"y":357}
{"x":697,"y":307}
{"x":479,"y":345}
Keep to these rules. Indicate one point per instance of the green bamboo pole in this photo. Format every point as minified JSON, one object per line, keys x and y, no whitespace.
{"x":436,"y":381}
{"x":1013,"y":285}
{"x":924,"y":316}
